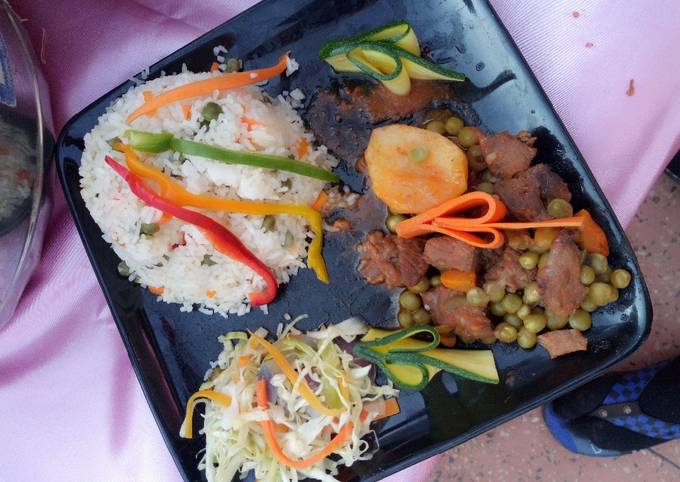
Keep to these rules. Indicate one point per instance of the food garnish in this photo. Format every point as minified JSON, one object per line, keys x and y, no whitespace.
{"x":411,"y":363}
{"x":208,"y":86}
{"x":177,"y":194}
{"x":412,"y":170}
{"x":161,"y":142}
{"x":390,"y":54}
{"x":224,"y":240}
{"x":282,"y":408}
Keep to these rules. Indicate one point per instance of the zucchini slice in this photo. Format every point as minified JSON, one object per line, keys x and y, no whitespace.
{"x":398,"y":33}
{"x":341,"y":63}
{"x":376,"y":60}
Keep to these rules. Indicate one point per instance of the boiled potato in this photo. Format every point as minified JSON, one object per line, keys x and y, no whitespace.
{"x":412,"y":169}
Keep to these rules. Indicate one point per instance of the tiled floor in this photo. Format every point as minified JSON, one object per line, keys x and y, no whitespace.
{"x":524,"y":450}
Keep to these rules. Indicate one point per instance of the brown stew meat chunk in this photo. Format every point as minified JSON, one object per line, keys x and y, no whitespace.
{"x":527,"y":194}
{"x":391,"y":260}
{"x":562,"y":342}
{"x":560,"y":277}
{"x":449,"y":308}
{"x":508,"y":273}
{"x":506,"y":155}
{"x":445,"y":253}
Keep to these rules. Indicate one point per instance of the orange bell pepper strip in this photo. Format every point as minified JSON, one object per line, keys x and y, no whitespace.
{"x":592,"y":237}
{"x":171,"y":189}
{"x":208,"y":86}
{"x":459,"y":280}
{"x":268,"y":428}
{"x":186,"y":431}
{"x":221,"y":238}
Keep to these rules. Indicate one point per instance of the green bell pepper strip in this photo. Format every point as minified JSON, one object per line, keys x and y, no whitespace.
{"x":155,"y":143}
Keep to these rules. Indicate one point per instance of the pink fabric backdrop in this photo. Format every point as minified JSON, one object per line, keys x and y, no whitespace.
{"x":72,"y":409}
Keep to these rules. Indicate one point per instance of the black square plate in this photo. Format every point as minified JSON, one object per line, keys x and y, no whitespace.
{"x":170,"y":350}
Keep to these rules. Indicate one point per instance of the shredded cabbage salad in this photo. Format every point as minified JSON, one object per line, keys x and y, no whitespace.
{"x":236,"y":416}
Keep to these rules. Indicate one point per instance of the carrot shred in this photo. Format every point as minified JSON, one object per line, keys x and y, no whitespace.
{"x":250,"y":122}
{"x":214,"y":66}
{"x":391,"y":409}
{"x":303,"y":147}
{"x":244,"y":360}
{"x":157,"y":290}
{"x":210,"y":293}
{"x":591,"y":236}
{"x":268,"y":428}
{"x":320,"y":201}
{"x":459,"y":280}
{"x":208,"y":86}
{"x":186,"y":430}
{"x":165,"y":218}
{"x":186,"y":110}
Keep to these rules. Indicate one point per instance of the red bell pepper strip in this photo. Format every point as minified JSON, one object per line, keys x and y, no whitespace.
{"x":222,"y":239}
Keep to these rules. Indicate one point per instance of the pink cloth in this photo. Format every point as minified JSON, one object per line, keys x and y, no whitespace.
{"x":71,"y":406}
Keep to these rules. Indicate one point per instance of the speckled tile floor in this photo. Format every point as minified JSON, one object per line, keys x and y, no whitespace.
{"x":524,"y":450}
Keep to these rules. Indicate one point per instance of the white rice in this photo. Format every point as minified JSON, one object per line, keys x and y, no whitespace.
{"x":162,"y":259}
{"x":17,"y":172}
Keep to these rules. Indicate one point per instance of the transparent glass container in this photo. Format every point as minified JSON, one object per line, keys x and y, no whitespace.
{"x":25,"y":154}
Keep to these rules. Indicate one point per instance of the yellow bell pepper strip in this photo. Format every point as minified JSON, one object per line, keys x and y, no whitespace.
{"x":171,"y":189}
{"x":268,"y":428}
{"x":154,"y":142}
{"x":221,"y":238}
{"x":208,"y":86}
{"x":187,"y":431}
{"x":292,"y":376}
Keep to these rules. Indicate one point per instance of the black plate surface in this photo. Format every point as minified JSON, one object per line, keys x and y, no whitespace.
{"x":170,"y":351}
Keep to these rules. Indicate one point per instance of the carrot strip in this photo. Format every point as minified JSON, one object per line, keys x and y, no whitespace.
{"x":210,"y":293}
{"x":268,"y":429}
{"x":592,"y":237}
{"x":157,"y":290}
{"x":303,"y":147}
{"x":186,"y":431}
{"x":457,"y":223}
{"x":459,"y":280}
{"x":208,"y":86}
{"x":214,"y":66}
{"x":244,"y":360}
{"x":186,"y":110}
{"x":391,"y":409}
{"x":165,"y":217}
{"x":321,"y":199}
{"x":292,"y":376}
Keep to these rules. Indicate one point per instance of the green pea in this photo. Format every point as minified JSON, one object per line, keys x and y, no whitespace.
{"x":211,"y":111}
{"x":486,"y":187}
{"x":580,"y":320}
{"x":467,"y":136}
{"x":477,"y":297}
{"x":268,"y":223}
{"x":588,"y":305}
{"x":523,"y":312}
{"x":526,"y":339}
{"x":475,"y":159}
{"x":453,"y":125}
{"x":587,"y":275}
{"x":418,"y":154}
{"x":497,"y":308}
{"x":393,"y":220}
{"x":489,"y":339}
{"x":599,"y":263}
{"x":543,"y":239}
{"x":495,"y":291}
{"x":466,"y":339}
{"x":620,"y":278}
{"x":513,"y":320}
{"x":604,"y":277}
{"x":543,"y":260}
{"x":535,"y":322}
{"x":232,"y":65}
{"x":149,"y":229}
{"x":532,"y":293}
{"x":487,"y":176}
{"x":556,"y":322}
{"x":601,"y":293}
{"x":410,"y":301}
{"x":559,"y":208}
{"x":436,"y":280}
{"x":421,"y":316}
{"x":528,"y":260}
{"x":436,"y":126}
{"x":512,"y":303}
{"x":405,"y":319}
{"x":614,"y":295}
{"x":506,"y":333}
{"x":123,"y":269}
{"x":421,"y":286}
